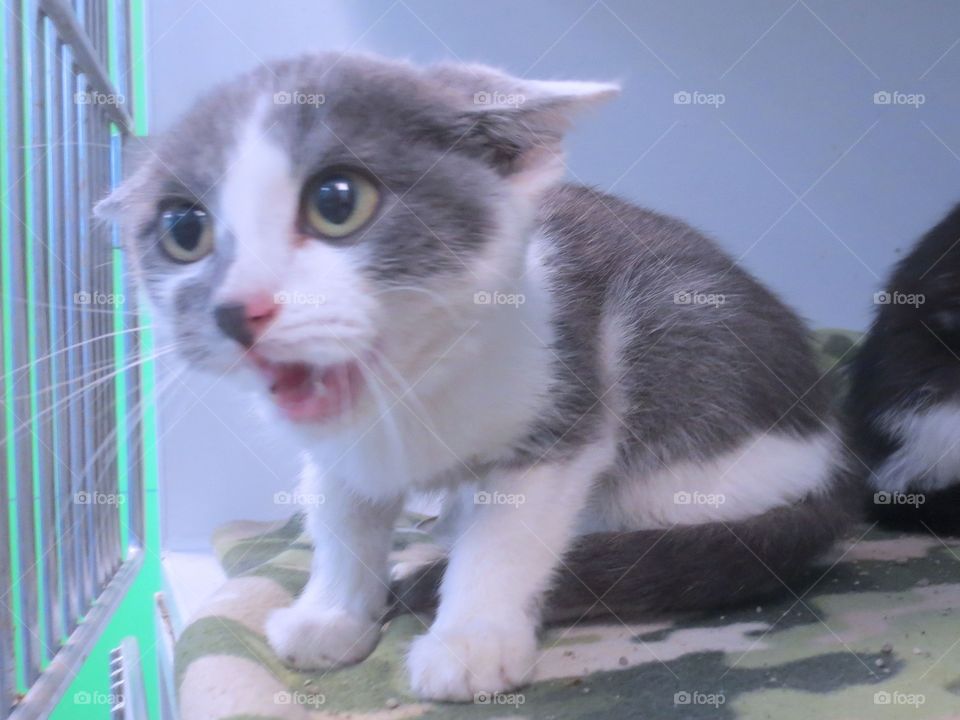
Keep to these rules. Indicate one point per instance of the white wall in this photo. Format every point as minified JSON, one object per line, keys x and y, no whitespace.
{"x":798,"y":121}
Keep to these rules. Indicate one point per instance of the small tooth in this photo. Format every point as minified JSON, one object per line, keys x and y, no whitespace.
{"x":317,"y":378}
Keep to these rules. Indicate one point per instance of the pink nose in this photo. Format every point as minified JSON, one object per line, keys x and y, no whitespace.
{"x":245,"y":321}
{"x":260,"y":310}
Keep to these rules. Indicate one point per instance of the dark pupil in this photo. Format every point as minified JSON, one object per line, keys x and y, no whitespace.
{"x":185,"y":225}
{"x":334,"y":199}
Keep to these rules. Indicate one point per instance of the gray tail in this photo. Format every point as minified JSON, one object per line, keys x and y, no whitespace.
{"x":684,"y":568}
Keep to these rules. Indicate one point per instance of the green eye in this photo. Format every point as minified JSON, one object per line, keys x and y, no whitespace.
{"x":339,"y":203}
{"x":185,"y":233}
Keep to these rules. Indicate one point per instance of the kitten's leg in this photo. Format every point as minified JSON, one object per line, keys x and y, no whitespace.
{"x":484,"y":635}
{"x":334,"y":621}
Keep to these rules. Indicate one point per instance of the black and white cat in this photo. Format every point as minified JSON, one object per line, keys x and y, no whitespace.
{"x":623,"y":418}
{"x":904,"y":401}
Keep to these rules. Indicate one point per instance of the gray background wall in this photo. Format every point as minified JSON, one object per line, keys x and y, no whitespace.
{"x":817,"y":188}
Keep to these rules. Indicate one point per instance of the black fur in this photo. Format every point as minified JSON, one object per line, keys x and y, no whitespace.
{"x":910,"y":360}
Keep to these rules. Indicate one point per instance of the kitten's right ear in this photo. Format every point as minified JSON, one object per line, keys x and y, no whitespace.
{"x":139,"y":155}
{"x":111,"y":208}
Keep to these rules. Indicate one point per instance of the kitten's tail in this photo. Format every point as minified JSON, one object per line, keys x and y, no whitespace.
{"x":687,"y":567}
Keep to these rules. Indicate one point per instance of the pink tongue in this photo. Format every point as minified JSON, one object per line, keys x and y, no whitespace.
{"x":307,"y":393}
{"x":292,"y":382}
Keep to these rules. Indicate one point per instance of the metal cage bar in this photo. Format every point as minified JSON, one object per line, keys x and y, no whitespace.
{"x":71,"y":473}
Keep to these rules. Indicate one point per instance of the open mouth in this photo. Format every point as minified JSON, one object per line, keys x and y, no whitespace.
{"x":310,"y":393}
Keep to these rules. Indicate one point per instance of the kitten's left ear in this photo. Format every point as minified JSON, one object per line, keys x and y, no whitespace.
{"x":518,"y":124}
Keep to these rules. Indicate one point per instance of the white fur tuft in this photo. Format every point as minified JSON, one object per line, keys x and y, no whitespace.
{"x":929,"y":457}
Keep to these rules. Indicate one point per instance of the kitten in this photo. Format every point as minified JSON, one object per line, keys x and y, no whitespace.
{"x":623,"y":418}
{"x":904,"y":401}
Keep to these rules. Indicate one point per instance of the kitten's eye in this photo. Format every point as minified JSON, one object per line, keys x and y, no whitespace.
{"x":339,"y":203}
{"x":185,"y":233}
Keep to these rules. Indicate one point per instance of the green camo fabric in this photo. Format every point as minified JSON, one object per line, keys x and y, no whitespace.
{"x":876,"y":636}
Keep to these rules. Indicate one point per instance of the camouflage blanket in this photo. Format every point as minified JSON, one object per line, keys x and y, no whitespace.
{"x":874,"y":636}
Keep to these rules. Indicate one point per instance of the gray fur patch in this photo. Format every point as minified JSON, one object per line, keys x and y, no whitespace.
{"x":709,"y":357}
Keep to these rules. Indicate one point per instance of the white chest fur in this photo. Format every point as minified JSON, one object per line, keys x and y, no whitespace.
{"x":466,"y":400}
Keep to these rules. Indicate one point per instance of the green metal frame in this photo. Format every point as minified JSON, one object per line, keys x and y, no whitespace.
{"x":6,"y":269}
{"x":135,"y":614}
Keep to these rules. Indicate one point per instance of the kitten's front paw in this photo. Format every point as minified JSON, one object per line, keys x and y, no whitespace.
{"x":478,"y":658}
{"x":313,"y":638}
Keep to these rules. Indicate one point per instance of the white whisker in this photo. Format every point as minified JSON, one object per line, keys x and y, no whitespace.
{"x":43,"y":358}
{"x":80,"y":307}
{"x":104,"y":445}
{"x":76,"y":393}
{"x":96,"y":369}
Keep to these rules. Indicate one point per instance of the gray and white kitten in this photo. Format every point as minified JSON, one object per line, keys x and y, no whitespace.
{"x":624,"y":420}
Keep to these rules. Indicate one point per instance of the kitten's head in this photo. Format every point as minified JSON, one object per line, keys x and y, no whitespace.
{"x":327,"y":218}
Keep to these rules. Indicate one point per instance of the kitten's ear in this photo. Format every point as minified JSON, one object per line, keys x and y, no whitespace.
{"x":518,"y":123}
{"x":111,"y":208}
{"x":138,"y":159}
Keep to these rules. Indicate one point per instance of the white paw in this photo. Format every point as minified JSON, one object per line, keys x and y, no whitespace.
{"x":312,"y":638}
{"x":478,"y":657}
